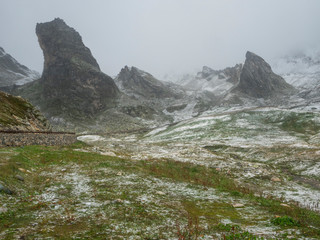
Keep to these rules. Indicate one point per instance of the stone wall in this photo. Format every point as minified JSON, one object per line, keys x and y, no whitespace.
{"x":36,"y":138}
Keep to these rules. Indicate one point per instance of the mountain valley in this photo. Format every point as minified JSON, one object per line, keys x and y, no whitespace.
{"x":219,"y":154}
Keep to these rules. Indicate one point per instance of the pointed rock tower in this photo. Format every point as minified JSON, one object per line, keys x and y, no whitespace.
{"x":71,"y":82}
{"x":259,"y":81}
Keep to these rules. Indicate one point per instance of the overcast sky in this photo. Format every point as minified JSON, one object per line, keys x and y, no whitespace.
{"x":165,"y":36}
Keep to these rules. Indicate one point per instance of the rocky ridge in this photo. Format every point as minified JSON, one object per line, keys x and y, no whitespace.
{"x":140,"y":84}
{"x":218,"y":82}
{"x":12,"y":72}
{"x":73,"y":91}
{"x":149,"y":98}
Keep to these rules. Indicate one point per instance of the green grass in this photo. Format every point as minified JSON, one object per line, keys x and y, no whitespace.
{"x":285,"y":221}
{"x":11,"y":106}
{"x":40,"y":159}
{"x":304,"y":122}
{"x":256,"y":123}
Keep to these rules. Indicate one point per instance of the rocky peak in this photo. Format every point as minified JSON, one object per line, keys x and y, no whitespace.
{"x":258,"y":80}
{"x":206,"y":72}
{"x":59,"y":41}
{"x":250,"y":56}
{"x":138,"y":83}
{"x":71,"y":83}
{"x":133,"y":74}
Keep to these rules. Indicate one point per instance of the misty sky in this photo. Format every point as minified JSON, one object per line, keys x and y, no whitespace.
{"x":165,"y":36}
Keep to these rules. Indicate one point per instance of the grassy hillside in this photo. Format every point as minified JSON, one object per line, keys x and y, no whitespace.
{"x":75,"y":192}
{"x":18,"y":114}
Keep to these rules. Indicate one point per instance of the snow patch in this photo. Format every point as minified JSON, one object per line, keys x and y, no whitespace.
{"x":90,"y":138}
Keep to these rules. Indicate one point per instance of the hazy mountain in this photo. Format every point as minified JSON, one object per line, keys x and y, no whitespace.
{"x":169,"y":101}
{"x":12,"y":72}
{"x":302,"y":70}
{"x":140,"y":84}
{"x":75,"y":94}
{"x":218,"y":82}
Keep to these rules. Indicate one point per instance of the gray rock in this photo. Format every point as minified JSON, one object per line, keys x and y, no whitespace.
{"x":5,"y":189}
{"x":19,"y":177}
{"x":71,"y":79}
{"x":118,"y":201}
{"x":238,"y":205}
{"x":72,"y":85}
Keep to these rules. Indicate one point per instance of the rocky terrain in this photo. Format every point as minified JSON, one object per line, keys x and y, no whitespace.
{"x":253,"y":145}
{"x":75,"y":95}
{"x":246,"y":173}
{"x":18,"y":114}
{"x":12,"y":72}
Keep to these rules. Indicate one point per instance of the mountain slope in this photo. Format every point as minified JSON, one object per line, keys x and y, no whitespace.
{"x":12,"y":72}
{"x":167,"y":100}
{"x":303,"y":72}
{"x":138,"y":83}
{"x":18,"y":114}
{"x":218,"y":82}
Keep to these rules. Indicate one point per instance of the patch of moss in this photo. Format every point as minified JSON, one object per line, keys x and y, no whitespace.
{"x":285,"y":221}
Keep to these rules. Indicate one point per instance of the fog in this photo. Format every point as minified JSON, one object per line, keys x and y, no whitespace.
{"x":166,"y":36}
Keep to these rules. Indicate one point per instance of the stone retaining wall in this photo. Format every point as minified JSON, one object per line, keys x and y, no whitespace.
{"x":33,"y":138}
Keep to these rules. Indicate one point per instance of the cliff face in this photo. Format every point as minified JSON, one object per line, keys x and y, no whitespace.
{"x":60,"y":42}
{"x":71,"y":82}
{"x":12,"y":72}
{"x":18,"y":114}
{"x":259,"y":81}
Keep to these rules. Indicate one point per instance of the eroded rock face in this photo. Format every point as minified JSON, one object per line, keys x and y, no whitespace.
{"x":259,"y":81}
{"x":71,"y":82}
{"x":18,"y":114}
